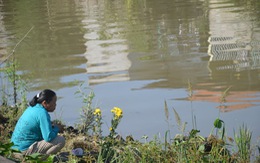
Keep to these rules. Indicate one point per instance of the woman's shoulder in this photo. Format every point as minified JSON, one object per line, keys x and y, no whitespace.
{"x":38,"y":108}
{"x":33,"y":112}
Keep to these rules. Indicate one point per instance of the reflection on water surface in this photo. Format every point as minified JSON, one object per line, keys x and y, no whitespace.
{"x":136,"y":54}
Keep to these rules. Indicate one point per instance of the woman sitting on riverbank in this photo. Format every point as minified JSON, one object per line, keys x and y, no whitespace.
{"x":34,"y":132}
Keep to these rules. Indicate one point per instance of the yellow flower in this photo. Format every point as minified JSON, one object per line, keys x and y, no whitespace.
{"x":110,"y":128}
{"x":97,"y":112}
{"x":117,"y":111}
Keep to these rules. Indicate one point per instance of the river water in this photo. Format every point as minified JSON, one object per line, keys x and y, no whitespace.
{"x":139,"y":54}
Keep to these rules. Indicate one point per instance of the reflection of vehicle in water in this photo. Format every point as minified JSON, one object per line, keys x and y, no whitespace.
{"x":233,"y":62}
{"x":235,"y":56}
{"x":233,"y":47}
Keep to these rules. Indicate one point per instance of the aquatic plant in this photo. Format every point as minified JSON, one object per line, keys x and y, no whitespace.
{"x":87,"y":116}
{"x":243,"y":142}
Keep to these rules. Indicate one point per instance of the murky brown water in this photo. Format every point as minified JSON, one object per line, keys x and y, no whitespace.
{"x":135,"y":54}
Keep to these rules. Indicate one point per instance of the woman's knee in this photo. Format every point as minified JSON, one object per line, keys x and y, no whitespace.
{"x":61,"y":141}
{"x":57,"y":144}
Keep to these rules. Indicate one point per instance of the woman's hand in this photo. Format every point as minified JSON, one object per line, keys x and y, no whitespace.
{"x":59,"y":125}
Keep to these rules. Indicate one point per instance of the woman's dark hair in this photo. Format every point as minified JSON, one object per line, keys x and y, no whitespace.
{"x":46,"y":95}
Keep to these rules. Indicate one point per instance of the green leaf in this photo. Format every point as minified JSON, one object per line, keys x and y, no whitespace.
{"x":35,"y":155}
{"x":193,"y":133}
{"x":202,"y":148}
{"x":218,"y":123}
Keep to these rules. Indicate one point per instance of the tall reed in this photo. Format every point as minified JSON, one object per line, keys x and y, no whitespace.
{"x":243,"y":142}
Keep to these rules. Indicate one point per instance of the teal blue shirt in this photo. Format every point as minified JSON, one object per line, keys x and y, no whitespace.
{"x":34,"y":125}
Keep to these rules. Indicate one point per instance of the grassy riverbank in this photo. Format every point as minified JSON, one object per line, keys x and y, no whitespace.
{"x":96,"y":147}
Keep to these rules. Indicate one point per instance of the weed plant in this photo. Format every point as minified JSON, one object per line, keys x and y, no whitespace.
{"x":243,"y":142}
